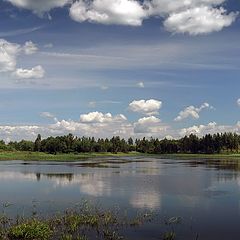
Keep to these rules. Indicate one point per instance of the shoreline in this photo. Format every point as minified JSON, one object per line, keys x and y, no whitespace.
{"x":61,"y":157}
{"x":71,"y":157}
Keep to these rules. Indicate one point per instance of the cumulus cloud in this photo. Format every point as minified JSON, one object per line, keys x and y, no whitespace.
{"x":92,"y":124}
{"x":8,"y":55}
{"x":18,"y":132}
{"x":147,"y":125}
{"x":191,"y":16}
{"x":30,"y":48}
{"x":199,"y":20}
{"x":39,"y":7}
{"x":34,"y":73}
{"x":144,"y":127}
{"x":146,"y":107}
{"x":97,"y":124}
{"x":238,"y":102}
{"x":210,"y":128}
{"x":165,"y":7}
{"x":192,"y":112}
{"x":124,"y":12}
{"x":151,"y":127}
{"x":98,"y":117}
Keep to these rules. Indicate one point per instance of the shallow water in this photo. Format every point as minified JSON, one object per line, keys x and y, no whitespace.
{"x":205,"y":194}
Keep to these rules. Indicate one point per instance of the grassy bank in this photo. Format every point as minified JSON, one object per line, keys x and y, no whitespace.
{"x":40,"y":156}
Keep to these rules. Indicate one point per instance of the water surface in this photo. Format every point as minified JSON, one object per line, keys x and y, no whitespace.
{"x":205,"y":194}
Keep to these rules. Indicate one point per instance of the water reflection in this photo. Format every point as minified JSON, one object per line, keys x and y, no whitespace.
{"x":17,"y":176}
{"x":88,"y":183}
{"x":146,"y":200}
{"x":192,"y":189}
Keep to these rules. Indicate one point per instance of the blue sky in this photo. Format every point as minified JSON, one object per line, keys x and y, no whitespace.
{"x":70,"y":63}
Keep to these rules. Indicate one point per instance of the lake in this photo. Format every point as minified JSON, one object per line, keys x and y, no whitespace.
{"x":205,"y":195}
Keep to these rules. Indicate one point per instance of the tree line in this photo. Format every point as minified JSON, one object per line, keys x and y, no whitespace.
{"x":216,"y":143}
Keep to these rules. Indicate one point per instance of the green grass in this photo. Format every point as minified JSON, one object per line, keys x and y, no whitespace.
{"x":39,"y":156}
{"x":31,"y":229}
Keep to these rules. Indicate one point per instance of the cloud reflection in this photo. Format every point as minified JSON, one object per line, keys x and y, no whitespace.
{"x":147,"y":199}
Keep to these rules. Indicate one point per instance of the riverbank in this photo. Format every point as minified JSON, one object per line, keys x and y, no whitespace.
{"x":40,"y":156}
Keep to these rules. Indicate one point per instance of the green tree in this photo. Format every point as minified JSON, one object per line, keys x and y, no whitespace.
{"x":37,"y":143}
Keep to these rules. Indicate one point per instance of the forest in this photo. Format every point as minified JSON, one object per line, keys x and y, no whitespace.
{"x":208,"y":144}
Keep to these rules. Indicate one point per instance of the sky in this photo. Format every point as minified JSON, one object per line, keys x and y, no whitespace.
{"x":131,"y":68}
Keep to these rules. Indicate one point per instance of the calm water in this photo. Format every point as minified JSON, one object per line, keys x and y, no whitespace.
{"x":206,"y":196}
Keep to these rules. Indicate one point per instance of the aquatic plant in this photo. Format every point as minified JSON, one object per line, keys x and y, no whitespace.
{"x":33,"y":229}
{"x":83,"y":222}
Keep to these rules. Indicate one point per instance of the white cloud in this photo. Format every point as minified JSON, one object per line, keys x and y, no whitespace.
{"x":199,"y":20}
{"x":238,"y":102}
{"x":98,"y":117}
{"x":93,"y":124}
{"x":147,"y":107}
{"x":8,"y":55}
{"x":190,"y":16}
{"x":39,"y":7}
{"x":144,"y":127}
{"x":210,"y":128}
{"x":165,"y":7}
{"x":140,"y":84}
{"x":124,"y":12}
{"x":34,"y":73}
{"x":151,"y":127}
{"x":48,"y":115}
{"x":192,"y":112}
{"x":18,"y":132}
{"x":147,"y":125}
{"x":30,"y":48}
{"x":96,"y":127}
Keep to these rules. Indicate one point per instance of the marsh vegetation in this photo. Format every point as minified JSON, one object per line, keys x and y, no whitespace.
{"x":84,"y":221}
